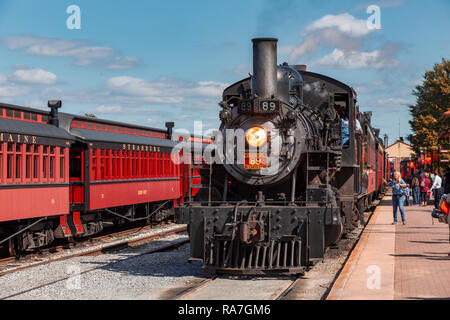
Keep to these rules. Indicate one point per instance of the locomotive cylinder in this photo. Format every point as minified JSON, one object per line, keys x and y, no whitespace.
{"x":264,"y":80}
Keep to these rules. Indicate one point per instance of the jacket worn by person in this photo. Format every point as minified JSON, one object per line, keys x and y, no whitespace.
{"x":437,"y":184}
{"x":425,"y":184}
{"x":415,"y":182}
{"x":396,"y":188}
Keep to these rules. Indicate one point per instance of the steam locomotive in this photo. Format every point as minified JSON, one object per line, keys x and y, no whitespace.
{"x":298,"y":165}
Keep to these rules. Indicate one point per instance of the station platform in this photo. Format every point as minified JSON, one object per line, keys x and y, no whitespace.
{"x":397,"y":262}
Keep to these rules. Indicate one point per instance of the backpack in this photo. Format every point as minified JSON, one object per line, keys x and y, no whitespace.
{"x":445,"y":207}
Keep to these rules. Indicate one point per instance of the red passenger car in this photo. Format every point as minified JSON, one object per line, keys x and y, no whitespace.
{"x":64,"y":175}
{"x":34,"y":174}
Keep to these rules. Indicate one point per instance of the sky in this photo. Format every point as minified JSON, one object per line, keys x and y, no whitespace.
{"x":148,"y":62}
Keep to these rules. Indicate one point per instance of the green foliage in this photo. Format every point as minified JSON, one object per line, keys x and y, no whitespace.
{"x":433,"y":99}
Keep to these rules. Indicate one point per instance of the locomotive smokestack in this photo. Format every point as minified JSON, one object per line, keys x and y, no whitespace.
{"x":54,"y":105}
{"x":264,"y":81}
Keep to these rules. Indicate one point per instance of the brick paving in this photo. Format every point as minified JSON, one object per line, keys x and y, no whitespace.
{"x":398,"y":262}
{"x":422,"y":264}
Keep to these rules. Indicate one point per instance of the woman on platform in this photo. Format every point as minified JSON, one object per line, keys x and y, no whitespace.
{"x":425,"y":185}
{"x":398,"y":196}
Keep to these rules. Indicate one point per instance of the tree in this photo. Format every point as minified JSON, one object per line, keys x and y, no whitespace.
{"x":433,"y":99}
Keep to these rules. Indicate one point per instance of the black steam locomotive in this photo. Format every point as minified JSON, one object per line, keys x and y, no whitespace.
{"x":290,"y":179}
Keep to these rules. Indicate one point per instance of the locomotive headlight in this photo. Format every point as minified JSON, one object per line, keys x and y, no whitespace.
{"x":256,"y":136}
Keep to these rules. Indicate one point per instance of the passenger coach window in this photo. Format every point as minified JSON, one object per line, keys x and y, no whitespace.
{"x":28,"y":167}
{"x":9,"y":166}
{"x":61,"y":164}
{"x":45,"y":162}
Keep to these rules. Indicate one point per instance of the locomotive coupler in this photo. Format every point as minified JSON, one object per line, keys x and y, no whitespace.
{"x":251,"y":232}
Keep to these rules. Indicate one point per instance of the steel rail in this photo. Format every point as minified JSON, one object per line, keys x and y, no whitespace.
{"x":99,"y":250}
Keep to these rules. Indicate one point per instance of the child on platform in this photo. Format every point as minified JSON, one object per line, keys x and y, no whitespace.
{"x":407,"y":191}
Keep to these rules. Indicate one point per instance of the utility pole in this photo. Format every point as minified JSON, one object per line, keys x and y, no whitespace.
{"x":439,"y":158}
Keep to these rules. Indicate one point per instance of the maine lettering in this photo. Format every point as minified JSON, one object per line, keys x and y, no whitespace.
{"x":17,"y":138}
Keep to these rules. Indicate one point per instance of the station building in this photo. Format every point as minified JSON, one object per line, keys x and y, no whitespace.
{"x":399,"y":151}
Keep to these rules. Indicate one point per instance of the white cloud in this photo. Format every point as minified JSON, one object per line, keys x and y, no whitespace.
{"x":82,"y":52}
{"x":345,"y":23}
{"x":393,"y":102}
{"x":355,"y":60}
{"x":164,"y":90}
{"x":119,"y":63}
{"x":34,"y":76}
{"x":36,"y":103}
{"x":13,"y":91}
{"x":151,"y":121}
{"x":346,"y":36}
{"x":184,"y":117}
{"x":341,"y":31}
{"x":108,"y":109}
{"x":3,"y":79}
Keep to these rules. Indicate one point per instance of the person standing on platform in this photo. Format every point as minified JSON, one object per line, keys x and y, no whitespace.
{"x":425,"y":185}
{"x":437,"y":189}
{"x":407,"y":195}
{"x":415,"y":182}
{"x":398,"y":196}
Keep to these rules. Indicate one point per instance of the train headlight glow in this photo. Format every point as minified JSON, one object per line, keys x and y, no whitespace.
{"x":256,"y":136}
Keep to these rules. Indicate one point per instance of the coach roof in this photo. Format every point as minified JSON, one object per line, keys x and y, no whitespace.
{"x":33,"y":129}
{"x":113,"y":137}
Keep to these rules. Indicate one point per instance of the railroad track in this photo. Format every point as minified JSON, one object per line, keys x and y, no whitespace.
{"x":165,"y":247}
{"x":216,"y":288}
{"x":104,"y":236}
{"x":200,"y":286}
{"x":102,"y":245}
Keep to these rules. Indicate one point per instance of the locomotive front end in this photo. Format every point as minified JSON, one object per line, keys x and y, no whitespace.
{"x":263,"y":215}
{"x":264,"y":133}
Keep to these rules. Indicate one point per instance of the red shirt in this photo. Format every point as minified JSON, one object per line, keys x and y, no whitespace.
{"x":427,"y":183}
